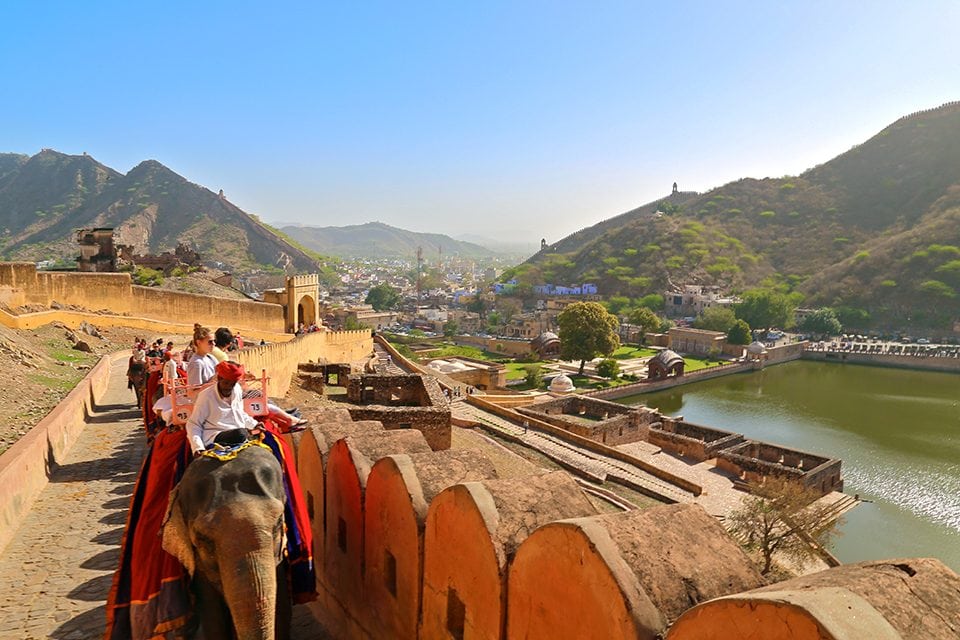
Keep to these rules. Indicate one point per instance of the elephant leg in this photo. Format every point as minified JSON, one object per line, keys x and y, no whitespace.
{"x":215,"y":621}
{"x":284,"y":606}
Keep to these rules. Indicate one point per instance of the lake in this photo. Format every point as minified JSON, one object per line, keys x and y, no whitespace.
{"x":897,"y":432}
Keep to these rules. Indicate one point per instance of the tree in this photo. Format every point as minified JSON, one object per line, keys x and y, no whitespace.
{"x":645,"y":319}
{"x":352,"y":324}
{"x":616,"y":304}
{"x":739,"y":333}
{"x":587,"y":331}
{"x":383,"y":297}
{"x":652,"y":301}
{"x":716,"y":319}
{"x":822,"y":322}
{"x":493,"y":322}
{"x":853,"y":318}
{"x":479,"y":306}
{"x":764,"y":308}
{"x":533,"y":376}
{"x":781,"y":517}
{"x":451,"y":328}
{"x":608,"y":368}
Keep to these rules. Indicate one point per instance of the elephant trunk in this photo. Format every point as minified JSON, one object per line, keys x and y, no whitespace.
{"x":250,"y":589}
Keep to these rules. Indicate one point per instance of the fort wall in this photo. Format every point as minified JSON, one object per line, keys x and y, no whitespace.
{"x":26,"y":466}
{"x":116,"y":294}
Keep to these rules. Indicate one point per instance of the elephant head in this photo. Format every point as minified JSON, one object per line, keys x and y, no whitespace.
{"x":226,"y":526}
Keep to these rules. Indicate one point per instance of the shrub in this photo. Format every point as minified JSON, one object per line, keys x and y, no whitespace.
{"x":938,"y":288}
{"x":608,"y":368}
{"x":768,"y":214}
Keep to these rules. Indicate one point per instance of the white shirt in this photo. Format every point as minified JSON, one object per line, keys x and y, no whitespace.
{"x":170,"y":369}
{"x":213,"y":414}
{"x":201,"y":369}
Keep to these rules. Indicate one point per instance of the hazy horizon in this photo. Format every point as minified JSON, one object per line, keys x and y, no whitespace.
{"x":500,"y":120}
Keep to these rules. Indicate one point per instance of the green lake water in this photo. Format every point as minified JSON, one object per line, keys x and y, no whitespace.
{"x":897,"y":432}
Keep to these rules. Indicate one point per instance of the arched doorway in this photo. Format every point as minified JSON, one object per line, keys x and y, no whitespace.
{"x":306,"y":311}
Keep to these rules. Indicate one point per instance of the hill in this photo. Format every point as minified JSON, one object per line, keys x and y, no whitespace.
{"x":378,"y":240}
{"x":874,"y":229}
{"x":44,"y":198}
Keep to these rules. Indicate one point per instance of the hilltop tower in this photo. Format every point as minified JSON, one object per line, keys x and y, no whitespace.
{"x":674,"y":189}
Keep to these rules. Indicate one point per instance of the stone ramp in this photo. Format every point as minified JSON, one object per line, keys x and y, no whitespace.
{"x":56,"y":572}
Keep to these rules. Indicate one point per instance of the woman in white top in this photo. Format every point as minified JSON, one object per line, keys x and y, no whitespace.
{"x":202,"y":366}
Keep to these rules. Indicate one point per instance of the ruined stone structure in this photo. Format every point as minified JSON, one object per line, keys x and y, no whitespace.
{"x":753,"y":461}
{"x":481,"y":374}
{"x":408,"y":401}
{"x":599,"y":420}
{"x":97,"y":251}
{"x":183,"y":256}
{"x":691,"y":440}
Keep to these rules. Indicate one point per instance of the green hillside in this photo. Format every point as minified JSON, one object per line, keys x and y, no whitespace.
{"x":875,"y":228}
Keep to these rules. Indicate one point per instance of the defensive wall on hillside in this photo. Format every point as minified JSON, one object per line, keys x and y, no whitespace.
{"x":21,"y":284}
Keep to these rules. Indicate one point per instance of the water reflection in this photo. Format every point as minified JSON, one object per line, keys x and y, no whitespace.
{"x":897,"y":431}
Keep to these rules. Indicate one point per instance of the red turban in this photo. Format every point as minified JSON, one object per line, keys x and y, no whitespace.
{"x":230,"y":371}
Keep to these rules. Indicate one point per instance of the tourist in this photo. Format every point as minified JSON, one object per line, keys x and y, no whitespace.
{"x":222,"y":340}
{"x":202,"y":366}
{"x":171,"y":365}
{"x":218,"y":409}
{"x":238,"y":340}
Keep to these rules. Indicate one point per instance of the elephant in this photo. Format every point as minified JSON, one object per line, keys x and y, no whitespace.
{"x":226,"y":525}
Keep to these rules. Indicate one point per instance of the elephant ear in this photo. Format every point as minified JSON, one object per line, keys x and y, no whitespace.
{"x":176,"y":536}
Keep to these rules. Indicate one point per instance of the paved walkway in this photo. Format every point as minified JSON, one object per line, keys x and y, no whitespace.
{"x":56,"y":573}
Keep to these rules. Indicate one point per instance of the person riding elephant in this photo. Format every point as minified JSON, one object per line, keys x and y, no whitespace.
{"x":150,"y":596}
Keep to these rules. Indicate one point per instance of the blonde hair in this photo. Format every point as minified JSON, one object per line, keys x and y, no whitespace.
{"x":200,"y":333}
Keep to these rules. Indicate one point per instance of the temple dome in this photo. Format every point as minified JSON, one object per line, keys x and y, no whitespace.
{"x":561,"y":384}
{"x":756,"y":348}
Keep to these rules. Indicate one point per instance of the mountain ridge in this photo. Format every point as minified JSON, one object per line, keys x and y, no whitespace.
{"x":47,"y":196}
{"x":843,"y":233}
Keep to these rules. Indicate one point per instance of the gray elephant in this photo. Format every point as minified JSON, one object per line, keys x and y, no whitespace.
{"x":226,"y":526}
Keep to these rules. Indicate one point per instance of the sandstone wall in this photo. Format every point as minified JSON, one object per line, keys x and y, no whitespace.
{"x":114,"y":293}
{"x":25,"y":467}
{"x":282,"y":359}
{"x":880,"y":600}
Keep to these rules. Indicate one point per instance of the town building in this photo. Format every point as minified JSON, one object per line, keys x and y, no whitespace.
{"x":692,"y":299}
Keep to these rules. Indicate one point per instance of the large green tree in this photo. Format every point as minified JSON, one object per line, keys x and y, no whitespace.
{"x":739,"y":333}
{"x":383,"y":297}
{"x":822,"y":322}
{"x":645,"y":319}
{"x":716,"y":319}
{"x":587,"y":330}
{"x":764,"y":308}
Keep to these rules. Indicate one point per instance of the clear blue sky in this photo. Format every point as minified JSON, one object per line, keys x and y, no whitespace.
{"x":508,"y":119}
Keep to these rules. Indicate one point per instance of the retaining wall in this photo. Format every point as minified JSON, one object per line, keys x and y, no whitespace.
{"x":26,"y":466}
{"x":884,"y":360}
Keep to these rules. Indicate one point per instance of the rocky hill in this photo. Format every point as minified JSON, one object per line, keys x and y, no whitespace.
{"x":875,"y":229}
{"x":44,"y":198}
{"x":378,"y":240}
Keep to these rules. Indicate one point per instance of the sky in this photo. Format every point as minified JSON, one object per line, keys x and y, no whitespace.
{"x":509,"y":120}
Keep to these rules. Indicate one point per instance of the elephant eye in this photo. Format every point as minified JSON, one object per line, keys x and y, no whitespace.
{"x":202,"y":540}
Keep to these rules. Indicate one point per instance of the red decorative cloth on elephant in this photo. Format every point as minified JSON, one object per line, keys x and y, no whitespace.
{"x":303,"y":579}
{"x":150,"y":597}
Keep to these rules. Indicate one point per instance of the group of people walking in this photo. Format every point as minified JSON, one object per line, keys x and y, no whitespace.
{"x":150,"y":597}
